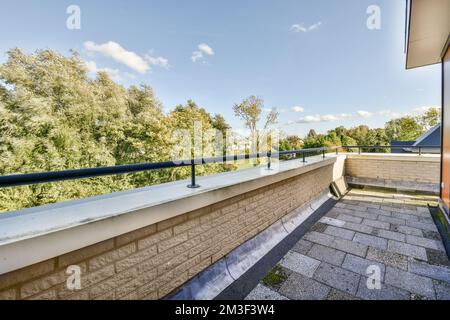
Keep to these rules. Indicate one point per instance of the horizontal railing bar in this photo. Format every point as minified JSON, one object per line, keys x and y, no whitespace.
{"x":52,"y":176}
{"x":390,"y":147}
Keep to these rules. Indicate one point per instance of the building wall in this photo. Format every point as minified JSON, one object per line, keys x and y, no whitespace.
{"x":418,"y":173}
{"x":445,"y":192}
{"x":151,"y":262}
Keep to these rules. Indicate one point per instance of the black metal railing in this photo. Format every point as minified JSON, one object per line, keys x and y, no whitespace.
{"x":410,"y":149}
{"x":53,"y":176}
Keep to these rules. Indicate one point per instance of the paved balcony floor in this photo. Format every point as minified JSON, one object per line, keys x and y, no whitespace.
{"x":369,"y":233}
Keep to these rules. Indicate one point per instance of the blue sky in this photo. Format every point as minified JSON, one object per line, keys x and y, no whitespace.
{"x":316,"y":55}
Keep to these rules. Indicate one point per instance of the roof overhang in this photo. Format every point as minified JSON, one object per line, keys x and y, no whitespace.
{"x":428,"y":32}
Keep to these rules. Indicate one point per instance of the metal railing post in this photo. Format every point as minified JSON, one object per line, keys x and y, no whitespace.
{"x":303,"y":156}
{"x":269,"y":156}
{"x":193,"y":185}
{"x":359,"y":150}
{"x":420,"y":151}
{"x":323,"y":153}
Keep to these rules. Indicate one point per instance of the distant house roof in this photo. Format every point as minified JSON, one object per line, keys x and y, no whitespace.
{"x":430,"y":138}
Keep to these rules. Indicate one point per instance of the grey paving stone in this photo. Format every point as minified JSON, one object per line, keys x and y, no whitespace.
{"x":386,"y":292}
{"x":424,"y":242}
{"x":407,"y":249}
{"x":299,"y":287}
{"x":262,"y":292}
{"x":400,"y":209}
{"x":337,"y":278}
{"x":340,"y":232}
{"x":376,"y":224}
{"x":391,"y":220}
{"x":320,"y":238}
{"x":431,"y":271}
{"x":421,"y":214}
{"x":426,"y":220}
{"x":353,"y":207}
{"x":421,"y":225}
{"x":339,"y":295}
{"x":369,"y":240}
{"x":407,"y":230}
{"x":358,"y":227}
{"x":327,"y":254}
{"x":391,"y":235}
{"x":332,"y":214}
{"x":332,"y":221}
{"x":349,"y":218}
{"x":379,"y":212}
{"x":405,"y":216}
{"x":339,"y":211}
{"x":349,"y":247}
{"x":410,"y":282}
{"x":423,"y":210}
{"x":387,"y":207}
{"x":318,"y":227}
{"x":442,"y":290}
{"x":432,"y":235}
{"x":388,"y":258}
{"x":340,"y":204}
{"x":437,"y":257}
{"x":359,"y":265}
{"x":302,"y":246}
{"x":369,"y":205}
{"x":363,"y":214}
{"x":300,"y":263}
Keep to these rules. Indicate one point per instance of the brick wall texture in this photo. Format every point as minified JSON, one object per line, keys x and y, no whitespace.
{"x":396,"y":170}
{"x":151,"y":262}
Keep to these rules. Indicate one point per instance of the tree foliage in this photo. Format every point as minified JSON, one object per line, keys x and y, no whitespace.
{"x":54,"y":117}
{"x":406,"y":128}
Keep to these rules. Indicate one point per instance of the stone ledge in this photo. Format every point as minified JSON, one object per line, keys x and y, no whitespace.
{"x":33,"y":235}
{"x":394,"y":157}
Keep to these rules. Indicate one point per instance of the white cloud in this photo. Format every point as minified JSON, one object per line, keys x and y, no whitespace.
{"x":114,"y":74}
{"x":323,"y":118}
{"x":364,"y":114}
{"x":279,"y":110}
{"x":359,"y":114}
{"x":301,"y":28}
{"x":415,"y":112}
{"x":298,"y":109}
{"x":203,"y":47}
{"x":196,"y":55}
{"x":119,"y":54}
{"x":199,"y":56}
{"x":157,"y":61}
{"x":424,"y":109}
{"x":132,"y":60}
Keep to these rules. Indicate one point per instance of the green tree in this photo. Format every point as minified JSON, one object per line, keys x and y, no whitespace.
{"x":291,"y":142}
{"x":250,"y":110}
{"x":403,"y":129}
{"x":430,"y":118}
{"x":53,"y":116}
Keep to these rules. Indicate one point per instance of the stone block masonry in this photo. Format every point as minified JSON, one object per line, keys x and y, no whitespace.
{"x":153,"y":261}
{"x":405,"y":172}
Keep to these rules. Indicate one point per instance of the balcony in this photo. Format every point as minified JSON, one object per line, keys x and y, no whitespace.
{"x":391,"y":231}
{"x":220,"y":239}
